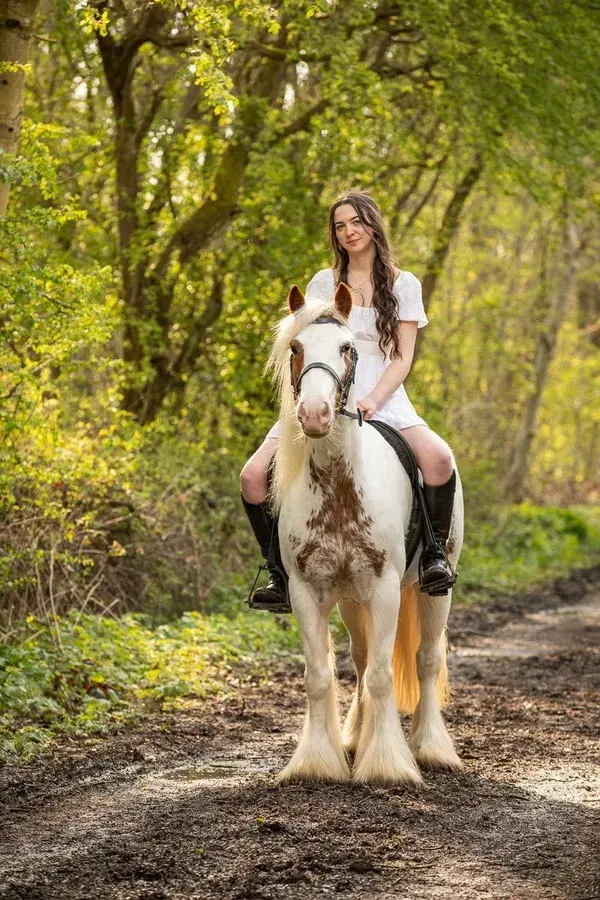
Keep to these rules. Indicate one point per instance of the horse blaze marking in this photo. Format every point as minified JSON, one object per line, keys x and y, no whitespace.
{"x":340,"y":530}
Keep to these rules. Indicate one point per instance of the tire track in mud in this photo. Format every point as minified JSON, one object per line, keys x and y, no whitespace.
{"x":186,"y":807}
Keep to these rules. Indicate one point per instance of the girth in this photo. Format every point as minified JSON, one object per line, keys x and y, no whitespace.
{"x":407,"y":458}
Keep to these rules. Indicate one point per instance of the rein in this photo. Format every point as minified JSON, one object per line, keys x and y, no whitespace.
{"x":344,"y":386}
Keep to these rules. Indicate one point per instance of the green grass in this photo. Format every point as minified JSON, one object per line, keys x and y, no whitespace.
{"x":86,"y":674}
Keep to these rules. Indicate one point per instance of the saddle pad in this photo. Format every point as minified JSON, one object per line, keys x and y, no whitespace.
{"x":406,"y":456}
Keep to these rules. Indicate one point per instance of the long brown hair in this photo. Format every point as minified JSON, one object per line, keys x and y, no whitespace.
{"x":383,"y":276}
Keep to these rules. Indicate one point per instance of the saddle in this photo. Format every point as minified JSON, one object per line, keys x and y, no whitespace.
{"x":414,"y":532}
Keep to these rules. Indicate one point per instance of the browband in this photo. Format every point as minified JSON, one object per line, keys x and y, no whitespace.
{"x":324,"y":320}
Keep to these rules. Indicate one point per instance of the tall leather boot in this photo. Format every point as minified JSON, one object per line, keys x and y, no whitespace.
{"x":274,"y":596}
{"x":436,"y":574}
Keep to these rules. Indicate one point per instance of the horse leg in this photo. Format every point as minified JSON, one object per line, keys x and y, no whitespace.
{"x":383,"y":753}
{"x":354,"y":618}
{"x":319,"y":755}
{"x":429,"y":740}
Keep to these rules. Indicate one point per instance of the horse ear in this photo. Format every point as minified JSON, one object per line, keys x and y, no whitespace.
{"x":295,"y":298}
{"x":343,"y":299}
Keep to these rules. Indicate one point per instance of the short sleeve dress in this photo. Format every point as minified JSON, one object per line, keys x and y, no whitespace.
{"x":397,"y":411}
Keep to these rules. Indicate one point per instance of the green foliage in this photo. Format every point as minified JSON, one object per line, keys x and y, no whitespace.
{"x":527,"y":545}
{"x":87,"y":674}
{"x":101,"y":513}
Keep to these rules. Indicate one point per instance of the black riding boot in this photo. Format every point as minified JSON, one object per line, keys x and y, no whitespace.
{"x":436,"y":575}
{"x":274,"y":595}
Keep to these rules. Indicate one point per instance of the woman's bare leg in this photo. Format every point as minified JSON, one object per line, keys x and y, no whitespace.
{"x":253,"y":478}
{"x":433,"y":454}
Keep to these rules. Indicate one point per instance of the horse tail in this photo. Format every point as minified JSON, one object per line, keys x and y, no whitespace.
{"x":406,"y":644}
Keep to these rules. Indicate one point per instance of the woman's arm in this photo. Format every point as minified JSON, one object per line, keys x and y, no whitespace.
{"x":395,"y":373}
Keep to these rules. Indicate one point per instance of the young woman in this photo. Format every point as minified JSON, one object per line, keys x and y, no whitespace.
{"x":387,"y":312}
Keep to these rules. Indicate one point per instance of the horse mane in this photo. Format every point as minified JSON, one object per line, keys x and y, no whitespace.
{"x":290,"y":453}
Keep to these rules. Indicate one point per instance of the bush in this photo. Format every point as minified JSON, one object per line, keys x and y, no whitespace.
{"x":86,"y":673}
{"x":527,"y":544}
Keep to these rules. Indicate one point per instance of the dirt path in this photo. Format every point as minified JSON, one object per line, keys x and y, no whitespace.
{"x":186,"y":806}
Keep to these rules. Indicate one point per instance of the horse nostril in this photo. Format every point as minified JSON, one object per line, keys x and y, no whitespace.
{"x":324,"y":413}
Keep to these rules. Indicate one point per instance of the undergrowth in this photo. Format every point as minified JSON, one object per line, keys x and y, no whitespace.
{"x":526,"y":545}
{"x":85,"y":673}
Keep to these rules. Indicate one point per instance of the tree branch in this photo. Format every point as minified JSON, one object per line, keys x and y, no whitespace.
{"x":268,"y":50}
{"x":148,"y":118}
{"x":170,"y":378}
{"x":300,"y":123}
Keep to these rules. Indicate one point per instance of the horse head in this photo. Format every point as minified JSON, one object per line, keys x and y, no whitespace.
{"x":322,"y":362}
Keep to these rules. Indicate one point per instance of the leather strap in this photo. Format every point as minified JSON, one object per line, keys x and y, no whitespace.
{"x":343,"y":386}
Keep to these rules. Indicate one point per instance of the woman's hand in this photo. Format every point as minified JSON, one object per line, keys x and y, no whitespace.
{"x":368,"y":405}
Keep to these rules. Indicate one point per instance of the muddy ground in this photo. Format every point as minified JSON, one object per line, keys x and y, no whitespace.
{"x":186,"y":807}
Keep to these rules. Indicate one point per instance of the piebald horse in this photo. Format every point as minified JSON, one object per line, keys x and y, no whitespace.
{"x":344,"y":503}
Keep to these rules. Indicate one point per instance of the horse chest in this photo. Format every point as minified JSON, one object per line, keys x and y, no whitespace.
{"x":333,"y":543}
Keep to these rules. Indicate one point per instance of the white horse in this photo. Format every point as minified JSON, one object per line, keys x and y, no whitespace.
{"x":344,"y":503}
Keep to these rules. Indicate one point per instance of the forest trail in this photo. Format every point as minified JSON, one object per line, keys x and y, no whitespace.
{"x":186,"y":807}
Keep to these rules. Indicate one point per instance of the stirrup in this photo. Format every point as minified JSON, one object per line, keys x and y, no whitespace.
{"x":440,"y":583}
{"x":277,"y":605}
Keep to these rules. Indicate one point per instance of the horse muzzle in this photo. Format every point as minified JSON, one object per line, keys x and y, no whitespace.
{"x":316,"y":417}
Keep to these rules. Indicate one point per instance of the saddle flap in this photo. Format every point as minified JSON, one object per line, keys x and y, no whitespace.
{"x":406,"y":456}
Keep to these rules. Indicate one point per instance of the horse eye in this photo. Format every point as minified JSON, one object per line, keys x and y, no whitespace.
{"x":294,"y":349}
{"x":345,"y":348}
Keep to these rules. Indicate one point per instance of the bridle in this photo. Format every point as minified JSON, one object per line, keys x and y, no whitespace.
{"x":343,"y":386}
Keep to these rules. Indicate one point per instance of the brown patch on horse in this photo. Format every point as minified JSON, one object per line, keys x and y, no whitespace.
{"x":294,"y":540}
{"x":340,"y":530}
{"x":297,"y":360}
{"x":348,"y":364}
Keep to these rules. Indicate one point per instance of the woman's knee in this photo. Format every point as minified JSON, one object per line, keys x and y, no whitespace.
{"x":253,"y":477}
{"x":253,"y":481}
{"x":433,"y":456}
{"x":440,"y":465}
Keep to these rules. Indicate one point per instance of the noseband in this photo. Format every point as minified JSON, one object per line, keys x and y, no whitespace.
{"x":344,"y":386}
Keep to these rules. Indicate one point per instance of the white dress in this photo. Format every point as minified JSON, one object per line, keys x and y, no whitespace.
{"x":397,"y":410}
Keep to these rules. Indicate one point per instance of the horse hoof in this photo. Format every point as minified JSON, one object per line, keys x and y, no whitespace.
{"x":440,"y":756}
{"x":386,"y":771}
{"x":290,"y":776}
{"x":312,"y":770}
{"x":432,"y":758}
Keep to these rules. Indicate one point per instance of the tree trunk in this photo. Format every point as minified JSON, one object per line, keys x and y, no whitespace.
{"x":148,"y":284}
{"x":16,"y":20}
{"x":450,"y":225}
{"x":169,"y":379}
{"x":556,"y":303}
{"x":589,"y":311}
